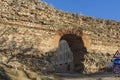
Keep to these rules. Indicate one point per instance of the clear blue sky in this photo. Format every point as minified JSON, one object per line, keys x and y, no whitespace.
{"x":104,"y":9}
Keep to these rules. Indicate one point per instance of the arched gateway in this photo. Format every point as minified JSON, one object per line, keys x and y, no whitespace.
{"x":64,"y":58}
{"x":70,"y":54}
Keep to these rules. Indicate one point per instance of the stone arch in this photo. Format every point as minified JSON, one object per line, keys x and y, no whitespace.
{"x":69,"y":30}
{"x":73,"y":38}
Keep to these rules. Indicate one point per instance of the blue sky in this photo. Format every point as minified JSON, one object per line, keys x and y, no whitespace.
{"x":104,"y":9}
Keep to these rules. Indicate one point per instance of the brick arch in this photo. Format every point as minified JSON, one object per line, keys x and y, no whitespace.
{"x":74,"y":38}
{"x":61,"y":32}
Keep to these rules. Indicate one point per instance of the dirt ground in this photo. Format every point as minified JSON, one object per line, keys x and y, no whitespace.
{"x":100,"y":76}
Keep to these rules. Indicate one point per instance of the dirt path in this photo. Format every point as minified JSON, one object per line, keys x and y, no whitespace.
{"x":104,"y":76}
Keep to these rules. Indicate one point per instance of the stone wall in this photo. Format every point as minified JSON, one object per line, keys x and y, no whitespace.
{"x":36,"y":24}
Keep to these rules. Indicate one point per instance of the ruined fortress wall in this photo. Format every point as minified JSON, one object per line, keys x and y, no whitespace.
{"x":18,"y":23}
{"x":37,"y":24}
{"x":104,"y":42}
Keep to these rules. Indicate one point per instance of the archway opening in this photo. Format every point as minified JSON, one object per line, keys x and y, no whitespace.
{"x":71,"y":51}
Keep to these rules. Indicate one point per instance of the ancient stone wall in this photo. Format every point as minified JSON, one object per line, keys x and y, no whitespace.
{"x":33,"y":23}
{"x":38,"y":20}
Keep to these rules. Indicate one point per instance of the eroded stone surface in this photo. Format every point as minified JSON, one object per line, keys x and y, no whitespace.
{"x":33,"y":27}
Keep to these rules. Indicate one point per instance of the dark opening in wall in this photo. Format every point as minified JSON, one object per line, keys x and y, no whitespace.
{"x":78,"y":50}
